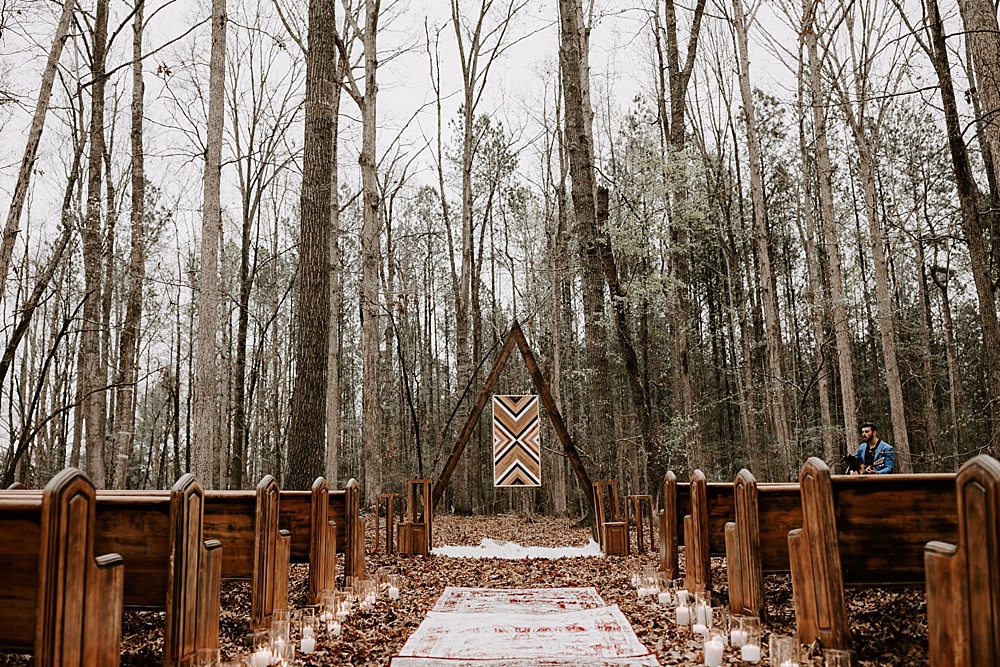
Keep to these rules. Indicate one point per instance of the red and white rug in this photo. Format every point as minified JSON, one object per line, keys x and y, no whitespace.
{"x":479,"y":627}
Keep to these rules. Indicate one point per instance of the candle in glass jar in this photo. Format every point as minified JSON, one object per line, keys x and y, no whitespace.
{"x":750,"y":653}
{"x":308,"y":644}
{"x":683,"y":616}
{"x":664,"y":597}
{"x":737,"y":637}
{"x":701,"y":629}
{"x":262,"y":658}
{"x":713,"y":653}
{"x":393,"y":593}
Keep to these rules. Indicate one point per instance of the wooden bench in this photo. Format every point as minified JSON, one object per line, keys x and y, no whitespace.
{"x":168,"y":563}
{"x":710,"y":506}
{"x":865,"y":530}
{"x":323,"y":522}
{"x":58,"y":601}
{"x":963,"y":579}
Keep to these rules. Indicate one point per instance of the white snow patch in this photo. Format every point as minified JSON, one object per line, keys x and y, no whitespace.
{"x":512,"y":550}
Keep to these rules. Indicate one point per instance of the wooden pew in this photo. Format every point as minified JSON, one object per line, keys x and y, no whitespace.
{"x":246,"y":523}
{"x":865,"y":530}
{"x":58,"y":601}
{"x":963,"y":579}
{"x":757,"y":541}
{"x":322,"y":523}
{"x":707,"y":536}
{"x":168,"y":563}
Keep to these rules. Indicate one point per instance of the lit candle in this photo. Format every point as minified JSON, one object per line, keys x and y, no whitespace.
{"x":713,"y":653}
{"x":702,"y":629}
{"x":333,"y":627}
{"x":700,"y":615}
{"x":737,"y":637}
{"x":308,"y":644}
{"x":683,"y":616}
{"x":307,"y":631}
{"x":262,"y":658}
{"x":664,"y":597}
{"x":393,"y":593}
{"x":682,"y":597}
{"x":750,"y":652}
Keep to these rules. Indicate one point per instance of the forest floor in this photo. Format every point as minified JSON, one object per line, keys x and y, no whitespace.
{"x":889,"y":625}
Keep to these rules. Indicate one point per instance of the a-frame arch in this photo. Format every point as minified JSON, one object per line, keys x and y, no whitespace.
{"x":515,"y":337}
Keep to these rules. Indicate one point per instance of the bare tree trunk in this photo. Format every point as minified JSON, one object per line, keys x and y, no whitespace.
{"x":135,"y":275}
{"x":370,"y":258}
{"x":828,"y":226}
{"x":206,"y":413}
{"x":94,"y":376}
{"x":831,"y":449}
{"x":307,"y":430}
{"x":31,"y":148}
{"x":334,"y":346}
{"x":981,"y":24}
{"x":573,"y":60}
{"x":772,"y":322}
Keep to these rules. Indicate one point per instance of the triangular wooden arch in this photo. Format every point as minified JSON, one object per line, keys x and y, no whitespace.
{"x":515,"y":336}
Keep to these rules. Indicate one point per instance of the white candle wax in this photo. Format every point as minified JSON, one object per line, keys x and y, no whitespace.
{"x":683,"y":616}
{"x":789,"y":663}
{"x":750,"y":653}
{"x":701,"y":629}
{"x":713,"y":653}
{"x":307,"y":631}
{"x":333,"y":628}
{"x":682,"y":597}
{"x":737,"y":637}
{"x":262,"y":658}
{"x":308,"y":645}
{"x":700,"y":615}
{"x":393,"y":593}
{"x":708,"y":616}
{"x":664,"y":597}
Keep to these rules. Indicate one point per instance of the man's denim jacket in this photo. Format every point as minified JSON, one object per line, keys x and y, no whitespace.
{"x":885,"y":456}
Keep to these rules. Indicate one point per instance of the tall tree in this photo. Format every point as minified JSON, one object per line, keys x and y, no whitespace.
{"x":135,"y":274}
{"x":93,"y":371}
{"x":983,"y":37}
{"x":579,"y":136}
{"x":674,"y":72}
{"x":307,"y":430}
{"x":205,"y":437}
{"x":830,"y":242}
{"x":762,"y":245}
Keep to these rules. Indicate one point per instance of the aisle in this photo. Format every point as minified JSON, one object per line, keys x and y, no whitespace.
{"x":556,"y":627}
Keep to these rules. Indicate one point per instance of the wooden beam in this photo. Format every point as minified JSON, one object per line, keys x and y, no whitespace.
{"x":550,"y":405}
{"x":470,"y":423}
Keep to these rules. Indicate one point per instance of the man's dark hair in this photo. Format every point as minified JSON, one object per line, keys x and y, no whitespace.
{"x":870,"y":425}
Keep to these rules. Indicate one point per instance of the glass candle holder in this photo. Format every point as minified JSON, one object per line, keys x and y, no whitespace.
{"x":392,"y":582}
{"x":714,"y":646}
{"x":261,"y":656}
{"x":835,"y":657}
{"x":750,"y":634}
{"x":703,"y":608}
{"x":784,"y":651}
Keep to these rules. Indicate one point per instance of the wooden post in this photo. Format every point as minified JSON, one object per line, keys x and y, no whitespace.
{"x":668,"y":527}
{"x":698,"y":570}
{"x":750,"y":576}
{"x":817,"y":578}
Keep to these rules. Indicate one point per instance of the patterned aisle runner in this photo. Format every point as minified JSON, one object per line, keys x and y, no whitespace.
{"x":555,"y":627}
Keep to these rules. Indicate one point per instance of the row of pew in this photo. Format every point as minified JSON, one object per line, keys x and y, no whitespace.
{"x":73,"y":558}
{"x":829,"y":531}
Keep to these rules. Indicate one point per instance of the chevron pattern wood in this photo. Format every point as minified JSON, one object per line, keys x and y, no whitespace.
{"x":516,"y":443}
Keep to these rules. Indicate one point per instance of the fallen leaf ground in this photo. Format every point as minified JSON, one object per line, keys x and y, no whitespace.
{"x":889,"y":626}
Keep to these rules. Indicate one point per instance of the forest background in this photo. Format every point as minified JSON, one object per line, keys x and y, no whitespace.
{"x":731,"y":233}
